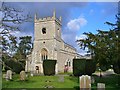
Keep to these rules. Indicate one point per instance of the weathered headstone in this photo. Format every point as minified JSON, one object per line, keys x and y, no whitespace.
{"x":22,"y":75}
{"x":92,"y":80}
{"x":100,"y":86}
{"x":4,"y":76}
{"x":61,"y":78}
{"x":85,"y":82}
{"x":9,"y":75}
{"x":31,"y":74}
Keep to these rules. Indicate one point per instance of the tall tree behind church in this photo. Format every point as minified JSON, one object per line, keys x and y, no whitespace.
{"x":25,"y":46}
{"x":104,"y":46}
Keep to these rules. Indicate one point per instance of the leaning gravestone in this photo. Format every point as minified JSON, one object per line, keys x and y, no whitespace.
{"x":22,"y":75}
{"x":9,"y":75}
{"x":85,"y":82}
{"x":100,"y":86}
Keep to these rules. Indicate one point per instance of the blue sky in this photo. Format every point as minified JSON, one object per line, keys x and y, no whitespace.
{"x":77,"y":18}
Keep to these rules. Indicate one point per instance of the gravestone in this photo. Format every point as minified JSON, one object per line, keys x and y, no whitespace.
{"x":4,"y":76}
{"x":22,"y":75}
{"x":100,"y":86}
{"x":31,"y":74}
{"x":61,"y":78}
{"x":92,"y":80}
{"x":85,"y":82}
{"x":9,"y":75}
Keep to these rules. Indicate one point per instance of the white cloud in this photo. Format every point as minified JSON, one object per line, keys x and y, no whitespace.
{"x":21,"y":34}
{"x":81,"y":51}
{"x":76,"y":24}
{"x":81,"y":37}
{"x":71,"y":31}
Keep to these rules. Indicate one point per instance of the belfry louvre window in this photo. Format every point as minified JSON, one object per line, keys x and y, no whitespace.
{"x":44,"y":54}
{"x":44,"y":30}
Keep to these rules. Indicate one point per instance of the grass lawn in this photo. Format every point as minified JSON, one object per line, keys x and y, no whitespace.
{"x":0,"y":80}
{"x":69,"y":82}
{"x":40,"y":82}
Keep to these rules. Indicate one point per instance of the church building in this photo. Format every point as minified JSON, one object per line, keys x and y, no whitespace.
{"x":48,"y":44}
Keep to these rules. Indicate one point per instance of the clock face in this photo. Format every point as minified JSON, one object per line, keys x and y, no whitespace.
{"x":44,"y":30}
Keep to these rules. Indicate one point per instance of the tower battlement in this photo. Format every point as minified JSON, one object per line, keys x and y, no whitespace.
{"x":53,"y":18}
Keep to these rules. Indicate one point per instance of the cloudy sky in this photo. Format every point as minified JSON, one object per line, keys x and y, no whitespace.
{"x":77,"y":18}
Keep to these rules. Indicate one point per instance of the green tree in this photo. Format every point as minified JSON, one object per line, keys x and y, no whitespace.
{"x":115,"y":34}
{"x":25,"y":46}
{"x":104,"y":46}
{"x":11,"y":19}
{"x":4,"y":45}
{"x":12,"y":45}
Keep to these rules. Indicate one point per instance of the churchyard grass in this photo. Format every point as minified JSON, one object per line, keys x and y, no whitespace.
{"x":41,"y":82}
{"x":69,"y":82}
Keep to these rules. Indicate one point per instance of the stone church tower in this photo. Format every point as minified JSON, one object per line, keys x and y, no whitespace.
{"x":48,"y":44}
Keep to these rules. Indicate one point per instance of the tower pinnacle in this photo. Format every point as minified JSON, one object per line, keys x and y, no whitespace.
{"x":54,"y":13}
{"x":35,"y":17}
{"x":60,"y":18}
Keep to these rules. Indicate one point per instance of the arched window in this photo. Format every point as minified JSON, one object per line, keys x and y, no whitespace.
{"x":44,"y":54}
{"x":68,"y":63}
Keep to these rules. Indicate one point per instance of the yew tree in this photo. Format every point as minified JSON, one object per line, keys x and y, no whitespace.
{"x":104,"y":46}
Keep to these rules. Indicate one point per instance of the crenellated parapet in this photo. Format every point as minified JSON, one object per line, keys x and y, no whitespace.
{"x":53,"y":18}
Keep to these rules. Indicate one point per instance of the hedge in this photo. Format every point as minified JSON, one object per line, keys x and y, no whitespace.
{"x":90,"y":67}
{"x":14,"y":66}
{"x":49,"y":67}
{"x":83,"y":67}
{"x":116,"y":67}
{"x":79,"y":67}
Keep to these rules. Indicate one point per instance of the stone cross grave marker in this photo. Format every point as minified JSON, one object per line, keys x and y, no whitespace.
{"x":9,"y":75}
{"x":22,"y":75}
{"x":85,"y":82}
{"x":100,"y":86}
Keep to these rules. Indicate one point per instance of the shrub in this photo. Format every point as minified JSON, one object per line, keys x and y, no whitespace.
{"x":49,"y":67}
{"x":78,"y":67}
{"x":90,"y":67}
{"x":104,"y":68}
{"x":13,"y":65}
{"x":116,"y":67}
{"x":83,"y":67}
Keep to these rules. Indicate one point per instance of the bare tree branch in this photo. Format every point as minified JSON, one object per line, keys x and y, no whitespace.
{"x":12,"y":18}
